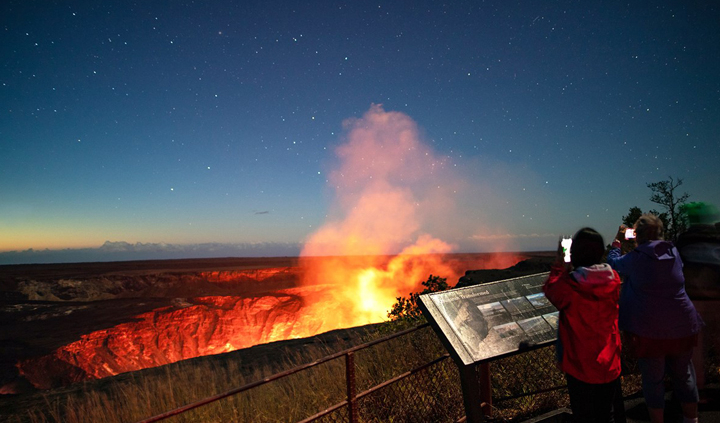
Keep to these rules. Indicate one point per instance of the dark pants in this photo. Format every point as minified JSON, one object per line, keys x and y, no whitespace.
{"x":679,"y":367}
{"x":591,"y":402}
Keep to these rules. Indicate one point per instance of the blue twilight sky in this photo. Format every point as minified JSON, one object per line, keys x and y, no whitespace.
{"x":212,"y":128}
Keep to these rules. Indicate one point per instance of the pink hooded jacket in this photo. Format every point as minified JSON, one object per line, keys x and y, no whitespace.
{"x":589,"y":335}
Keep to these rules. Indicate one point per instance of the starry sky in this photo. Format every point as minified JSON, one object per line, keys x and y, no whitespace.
{"x":192,"y":125}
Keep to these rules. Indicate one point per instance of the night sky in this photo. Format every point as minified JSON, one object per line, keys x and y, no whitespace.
{"x":192,"y":125}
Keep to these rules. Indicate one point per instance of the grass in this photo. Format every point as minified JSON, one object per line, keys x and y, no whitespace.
{"x":131,"y":397}
{"x":134,"y":396}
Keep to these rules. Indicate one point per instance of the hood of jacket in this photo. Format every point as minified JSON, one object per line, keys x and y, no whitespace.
{"x":658,"y":250}
{"x":595,"y":279}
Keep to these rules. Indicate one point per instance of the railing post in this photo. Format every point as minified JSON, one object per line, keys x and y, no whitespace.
{"x":350,"y":378}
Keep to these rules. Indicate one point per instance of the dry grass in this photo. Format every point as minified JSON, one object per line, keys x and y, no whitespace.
{"x":134,"y":396}
{"x":139,"y":395}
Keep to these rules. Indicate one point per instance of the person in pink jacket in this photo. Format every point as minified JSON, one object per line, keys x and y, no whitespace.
{"x":586,"y":292}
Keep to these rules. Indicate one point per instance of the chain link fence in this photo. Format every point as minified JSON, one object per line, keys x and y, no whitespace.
{"x":527,"y":384}
{"x":523,"y":385}
{"x":422,"y":386}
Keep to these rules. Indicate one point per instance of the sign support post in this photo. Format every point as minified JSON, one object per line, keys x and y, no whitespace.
{"x":472,"y":394}
{"x":485,"y":388}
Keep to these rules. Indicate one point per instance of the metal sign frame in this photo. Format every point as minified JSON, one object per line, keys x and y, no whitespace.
{"x":486,"y":322}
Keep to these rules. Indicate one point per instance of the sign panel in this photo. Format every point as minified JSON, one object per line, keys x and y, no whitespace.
{"x":493,"y":319}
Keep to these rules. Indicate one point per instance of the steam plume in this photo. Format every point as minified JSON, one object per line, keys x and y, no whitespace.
{"x":391,"y":192}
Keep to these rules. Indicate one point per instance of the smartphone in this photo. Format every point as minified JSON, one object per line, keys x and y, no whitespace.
{"x":566,"y":243}
{"x":629,"y":233}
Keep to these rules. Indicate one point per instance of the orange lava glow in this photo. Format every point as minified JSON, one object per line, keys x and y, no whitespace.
{"x":190,"y":328}
{"x":361,"y":290}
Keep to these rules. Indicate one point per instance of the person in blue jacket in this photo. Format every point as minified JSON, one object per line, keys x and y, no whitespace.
{"x":658,"y":315}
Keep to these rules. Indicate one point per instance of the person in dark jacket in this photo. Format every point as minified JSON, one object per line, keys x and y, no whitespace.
{"x":699,"y":248}
{"x":586,"y":293}
{"x":658,"y":315}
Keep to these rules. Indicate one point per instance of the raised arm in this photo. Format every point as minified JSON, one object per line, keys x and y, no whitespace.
{"x":556,"y":288}
{"x":615,"y":258}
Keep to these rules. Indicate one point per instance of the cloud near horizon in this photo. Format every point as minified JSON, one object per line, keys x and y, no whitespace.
{"x":125,"y":251}
{"x":511,"y":236}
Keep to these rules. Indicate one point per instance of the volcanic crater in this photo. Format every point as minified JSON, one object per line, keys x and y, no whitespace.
{"x":65,"y":323}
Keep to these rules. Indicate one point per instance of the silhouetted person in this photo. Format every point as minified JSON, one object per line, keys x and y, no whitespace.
{"x":658,"y":315}
{"x":586,"y":293}
{"x":700,"y":251}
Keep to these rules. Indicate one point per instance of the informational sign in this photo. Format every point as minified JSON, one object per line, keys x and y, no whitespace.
{"x":493,"y":319}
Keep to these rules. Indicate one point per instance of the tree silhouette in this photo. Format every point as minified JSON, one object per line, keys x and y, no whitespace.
{"x":406,"y":310}
{"x":633,"y":215}
{"x":663,"y":193}
{"x":635,"y":212}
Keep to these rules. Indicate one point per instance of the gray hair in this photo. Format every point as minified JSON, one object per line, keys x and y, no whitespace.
{"x":648,"y":228}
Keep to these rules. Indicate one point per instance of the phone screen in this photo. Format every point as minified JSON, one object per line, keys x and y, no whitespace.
{"x":566,"y":243}
{"x":629,"y":233}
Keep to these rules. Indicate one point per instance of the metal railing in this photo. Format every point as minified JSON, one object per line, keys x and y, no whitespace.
{"x":350,"y":403}
{"x":522,"y":385}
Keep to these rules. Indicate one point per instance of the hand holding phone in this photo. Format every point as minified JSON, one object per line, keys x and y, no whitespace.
{"x":566,"y":243}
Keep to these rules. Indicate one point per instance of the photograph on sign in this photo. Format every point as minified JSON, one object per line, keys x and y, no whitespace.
{"x":538,"y":300}
{"x":517,"y":305}
{"x":508,"y":330}
{"x":494,"y":313}
{"x":535,"y":325}
{"x":552,"y":319}
{"x":492,"y":310}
